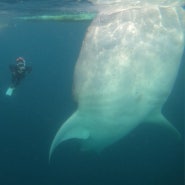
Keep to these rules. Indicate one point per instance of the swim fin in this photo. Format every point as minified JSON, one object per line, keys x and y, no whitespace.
{"x":9,"y":91}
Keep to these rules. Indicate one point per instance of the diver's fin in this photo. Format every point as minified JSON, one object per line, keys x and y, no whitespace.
{"x":163,"y":122}
{"x":9,"y":91}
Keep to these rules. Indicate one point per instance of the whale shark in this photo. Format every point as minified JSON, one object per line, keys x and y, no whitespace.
{"x":126,"y":69}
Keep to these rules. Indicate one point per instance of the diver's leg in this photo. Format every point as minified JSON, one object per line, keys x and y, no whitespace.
{"x":15,"y":81}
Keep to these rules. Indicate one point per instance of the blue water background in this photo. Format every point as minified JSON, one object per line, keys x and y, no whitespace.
{"x":31,"y":117}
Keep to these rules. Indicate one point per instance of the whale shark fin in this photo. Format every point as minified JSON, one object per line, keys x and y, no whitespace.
{"x":159,"y":119}
{"x":71,"y":129}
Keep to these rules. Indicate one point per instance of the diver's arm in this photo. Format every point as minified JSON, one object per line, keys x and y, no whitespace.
{"x":28,"y":69}
{"x":12,"y":68}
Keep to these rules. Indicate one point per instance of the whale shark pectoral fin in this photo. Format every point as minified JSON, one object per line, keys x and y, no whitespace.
{"x":163,"y":122}
{"x":71,"y":129}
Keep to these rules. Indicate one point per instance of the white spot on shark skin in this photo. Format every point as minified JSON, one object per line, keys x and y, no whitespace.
{"x":126,"y":69}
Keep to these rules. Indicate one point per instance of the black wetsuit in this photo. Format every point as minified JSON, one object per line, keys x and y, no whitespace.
{"x":18,"y":74}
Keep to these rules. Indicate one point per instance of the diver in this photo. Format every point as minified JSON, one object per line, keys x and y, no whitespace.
{"x":19,"y":71}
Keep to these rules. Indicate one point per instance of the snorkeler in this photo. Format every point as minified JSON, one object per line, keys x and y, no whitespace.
{"x":19,"y":71}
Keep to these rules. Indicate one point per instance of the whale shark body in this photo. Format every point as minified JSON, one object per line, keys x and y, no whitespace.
{"x":125,"y":72}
